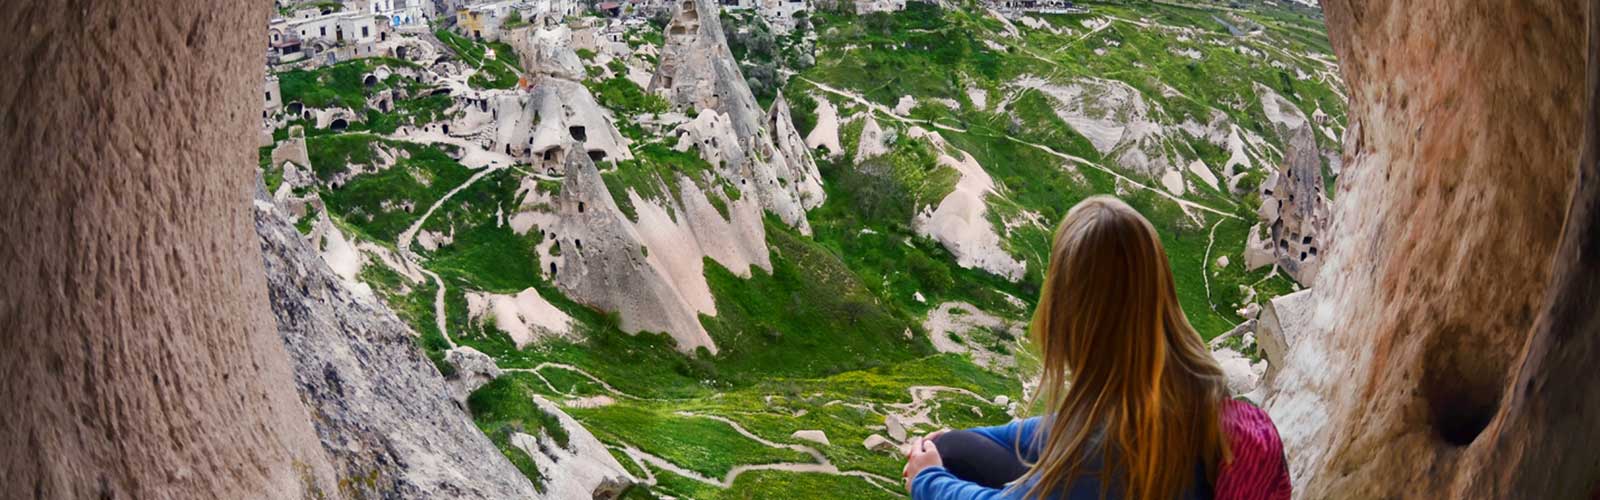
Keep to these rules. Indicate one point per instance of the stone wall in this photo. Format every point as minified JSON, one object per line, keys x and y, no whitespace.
{"x":1456,"y":306}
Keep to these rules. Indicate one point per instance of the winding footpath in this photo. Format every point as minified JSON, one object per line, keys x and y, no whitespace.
{"x":923,"y":403}
{"x":404,"y":245}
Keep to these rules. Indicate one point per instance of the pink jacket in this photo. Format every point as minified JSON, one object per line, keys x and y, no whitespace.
{"x":1258,"y":470}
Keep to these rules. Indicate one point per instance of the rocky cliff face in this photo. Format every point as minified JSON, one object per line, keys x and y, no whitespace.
{"x":141,"y":358}
{"x":383,"y":413}
{"x":1459,"y":297}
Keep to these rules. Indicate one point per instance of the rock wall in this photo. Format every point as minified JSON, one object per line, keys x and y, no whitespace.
{"x":141,"y":358}
{"x":1456,"y":309}
{"x":383,"y":413}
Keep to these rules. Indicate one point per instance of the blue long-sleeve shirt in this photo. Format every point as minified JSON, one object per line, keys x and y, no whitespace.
{"x":936,"y":483}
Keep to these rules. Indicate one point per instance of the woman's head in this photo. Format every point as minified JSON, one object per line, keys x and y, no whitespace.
{"x":1123,"y":371}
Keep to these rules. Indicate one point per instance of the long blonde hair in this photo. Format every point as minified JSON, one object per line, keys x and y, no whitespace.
{"x":1145,"y":393}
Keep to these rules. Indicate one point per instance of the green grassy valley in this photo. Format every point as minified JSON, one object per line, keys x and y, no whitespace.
{"x":869,"y":319}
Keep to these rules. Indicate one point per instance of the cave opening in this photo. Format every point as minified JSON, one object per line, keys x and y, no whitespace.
{"x":597,"y":156}
{"x":339,"y":124}
{"x":1462,"y":380}
{"x":578,"y":132}
{"x":370,"y":80}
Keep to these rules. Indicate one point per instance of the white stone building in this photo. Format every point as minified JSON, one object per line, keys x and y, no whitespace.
{"x":404,"y":13}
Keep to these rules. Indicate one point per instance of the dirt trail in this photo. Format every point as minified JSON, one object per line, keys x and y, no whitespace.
{"x":603,"y":385}
{"x":403,"y":244}
{"x":1205,"y":277}
{"x":821,"y":466}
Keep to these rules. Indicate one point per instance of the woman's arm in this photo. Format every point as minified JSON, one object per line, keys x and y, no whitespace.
{"x":936,"y":483}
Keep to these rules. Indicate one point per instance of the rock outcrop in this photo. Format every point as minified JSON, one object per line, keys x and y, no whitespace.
{"x":699,"y":74}
{"x":141,"y":359}
{"x":650,"y":272}
{"x":960,"y":221}
{"x":1455,"y":316}
{"x":473,"y":369}
{"x":585,"y":468}
{"x":383,"y":413}
{"x":1293,"y":212}
{"x":1116,"y":119}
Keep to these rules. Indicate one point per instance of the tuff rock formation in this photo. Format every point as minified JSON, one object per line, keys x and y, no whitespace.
{"x":1293,"y":212}
{"x":960,"y":221}
{"x":746,"y":147}
{"x":383,"y":413}
{"x":584,"y":468}
{"x":1453,"y":331}
{"x":650,"y":271}
{"x":141,"y":357}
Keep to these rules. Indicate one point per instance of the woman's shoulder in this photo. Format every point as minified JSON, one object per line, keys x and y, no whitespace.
{"x":1258,"y":468}
{"x":1249,"y":426}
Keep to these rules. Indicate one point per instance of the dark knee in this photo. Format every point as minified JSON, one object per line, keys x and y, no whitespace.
{"x":973,"y":457}
{"x":963,"y":446}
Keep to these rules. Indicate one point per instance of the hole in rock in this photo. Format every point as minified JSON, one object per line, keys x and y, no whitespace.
{"x":578,"y":133}
{"x":370,"y":80}
{"x":339,"y":124}
{"x":597,"y":156}
{"x":1462,"y":379}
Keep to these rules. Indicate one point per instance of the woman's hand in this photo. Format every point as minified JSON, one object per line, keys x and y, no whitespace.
{"x":923,"y":455}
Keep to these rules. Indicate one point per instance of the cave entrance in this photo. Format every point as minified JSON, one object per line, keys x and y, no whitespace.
{"x":339,"y":124}
{"x":597,"y":156}
{"x":295,"y":108}
{"x":370,"y":81}
{"x":1462,"y":381}
{"x":578,"y":132}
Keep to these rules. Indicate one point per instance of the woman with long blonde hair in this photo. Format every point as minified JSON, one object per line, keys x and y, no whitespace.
{"x":1135,"y":405}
